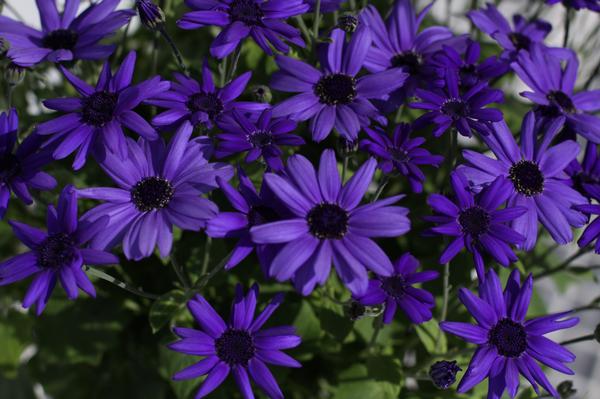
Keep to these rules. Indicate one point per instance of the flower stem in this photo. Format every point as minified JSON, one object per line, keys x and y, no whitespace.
{"x":183,"y":277}
{"x":563,"y":265}
{"x":382,"y":183}
{"x":589,"y":337}
{"x":206,"y":259}
{"x":174,"y":50}
{"x":234,"y":63}
{"x":568,"y":16}
{"x":317,"y":20}
{"x":107,"y":277}
{"x":206,"y":277}
{"x":344,"y":167}
{"x":378,"y":326}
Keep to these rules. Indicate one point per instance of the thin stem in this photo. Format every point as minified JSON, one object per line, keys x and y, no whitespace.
{"x":382,"y":183}
{"x":183,"y":277}
{"x":206,"y":258}
{"x":317,"y":20}
{"x":9,"y":93}
{"x":446,"y":292}
{"x":202,"y":281}
{"x":344,"y":166}
{"x":378,"y":326}
{"x":13,"y":10}
{"x":568,"y":16}
{"x":234,"y":63}
{"x":223,"y":71}
{"x":589,"y":337}
{"x":107,"y":277}
{"x":304,"y":29}
{"x":563,"y":265}
{"x":174,"y":50}
{"x":352,"y":5}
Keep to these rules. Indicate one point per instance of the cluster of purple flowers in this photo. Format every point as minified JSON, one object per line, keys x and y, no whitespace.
{"x":307,"y":217}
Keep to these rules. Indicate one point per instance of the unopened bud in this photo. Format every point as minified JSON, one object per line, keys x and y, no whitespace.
{"x":261,"y":94}
{"x":151,"y":15}
{"x":565,"y":389}
{"x":14,"y":74}
{"x":443,"y":373}
{"x":348,"y":23}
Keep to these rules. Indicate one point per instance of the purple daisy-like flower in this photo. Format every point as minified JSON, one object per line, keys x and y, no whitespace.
{"x":397,"y":44}
{"x":64,"y":36}
{"x":592,"y":231}
{"x":470,"y":71}
{"x":335,"y":97}
{"x":20,"y":168}
{"x":553,"y":89}
{"x":509,"y":345}
{"x":260,"y":139}
{"x":536,"y":171}
{"x":264,"y":21}
{"x":400,"y":153}
{"x":94,"y":122}
{"x":397,"y":291}
{"x":326,"y":223}
{"x":252,"y":208}
{"x":475,"y":222}
{"x":520,"y":36}
{"x":586,"y":175}
{"x":241,"y":346}
{"x":449,"y":108}
{"x":159,"y":187}
{"x":202,"y":104}
{"x":58,"y":254}
{"x":593,"y":5}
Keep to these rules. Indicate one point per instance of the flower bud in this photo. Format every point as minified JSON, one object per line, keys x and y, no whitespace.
{"x":443,"y":373}
{"x":565,"y":389}
{"x":348,"y":23}
{"x":14,"y":74}
{"x":261,"y":94}
{"x":150,"y":14}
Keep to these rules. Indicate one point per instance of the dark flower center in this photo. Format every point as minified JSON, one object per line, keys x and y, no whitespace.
{"x":468,"y":75}
{"x":152,"y":193}
{"x":520,"y":41}
{"x":327,"y":221}
{"x":56,"y":251}
{"x":408,"y":60}
{"x":474,"y":221}
{"x":60,"y":39}
{"x":527,"y":178}
{"x":235,"y":347}
{"x":98,"y":109}
{"x":509,"y":338}
{"x":399,"y":155}
{"x":336,"y":89}
{"x":9,"y":167}
{"x":261,"y":214}
{"x":206,"y":102}
{"x":260,"y":138}
{"x":455,"y":108}
{"x":246,"y":11}
{"x":394,"y":286}
{"x":562,"y":100}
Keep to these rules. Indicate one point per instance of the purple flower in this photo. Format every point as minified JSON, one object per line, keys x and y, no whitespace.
{"x":586,"y":175}
{"x":397,"y":291}
{"x":449,"y":108}
{"x":536,"y":171}
{"x":475,"y":222}
{"x":64,"y":37}
{"x":400,"y":153}
{"x":251,"y":209}
{"x":94,"y":122}
{"x":507,"y":344}
{"x":512,"y":39}
{"x":262,"y":138}
{"x":553,"y":90}
{"x":467,"y":66}
{"x":159,"y":187}
{"x":326,"y":5}
{"x":203,"y":103}
{"x":398,"y":44}
{"x":592,"y":231}
{"x":20,"y":168}
{"x":58,"y":254}
{"x":264,"y":21}
{"x":241,"y":346}
{"x":335,"y":97}
{"x":578,"y":4}
{"x":326,"y":223}
{"x":151,"y":15}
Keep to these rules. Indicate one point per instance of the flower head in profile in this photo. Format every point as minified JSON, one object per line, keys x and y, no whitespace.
{"x":334,"y":96}
{"x":151,"y":15}
{"x":20,"y":166}
{"x":260,"y":139}
{"x":514,"y":38}
{"x":509,"y":345}
{"x":398,"y":44}
{"x":202,"y":103}
{"x":475,"y":222}
{"x":450,"y":108}
{"x":536,"y":171}
{"x":65,"y":36}
{"x":397,"y":291}
{"x":400,"y":153}
{"x":56,"y":254}
{"x":93,"y":122}
{"x":593,"y":5}
{"x":554,"y":90}
{"x":241,"y":346}
{"x":586,"y":174}
{"x":325,"y":224}
{"x":264,"y":21}
{"x":252,"y":208}
{"x":592,"y":231}
{"x":159,"y":187}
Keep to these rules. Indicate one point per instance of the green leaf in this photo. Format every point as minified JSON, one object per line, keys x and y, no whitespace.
{"x":433,"y":339}
{"x":14,"y":337}
{"x":165,"y":308}
{"x":306,"y":322}
{"x":172,"y":362}
{"x":356,"y":383}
